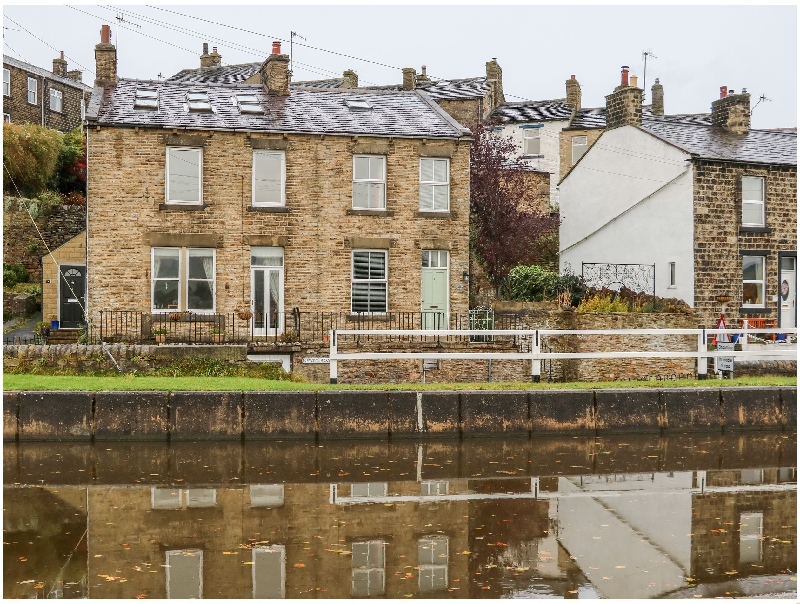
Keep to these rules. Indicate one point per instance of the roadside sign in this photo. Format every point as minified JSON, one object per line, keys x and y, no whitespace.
{"x":725,"y":363}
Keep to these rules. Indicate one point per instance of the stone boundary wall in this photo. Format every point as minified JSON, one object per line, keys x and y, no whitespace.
{"x":308,"y":415}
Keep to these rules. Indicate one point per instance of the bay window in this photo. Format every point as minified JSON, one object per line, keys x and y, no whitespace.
{"x":369,"y":284}
{"x":369,"y":182}
{"x":183,"y":279}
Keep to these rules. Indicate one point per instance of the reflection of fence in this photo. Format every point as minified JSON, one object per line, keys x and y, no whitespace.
{"x":640,"y":278}
{"x":536,"y":355}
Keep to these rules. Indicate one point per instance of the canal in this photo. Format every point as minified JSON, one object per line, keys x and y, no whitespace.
{"x":622,"y":516}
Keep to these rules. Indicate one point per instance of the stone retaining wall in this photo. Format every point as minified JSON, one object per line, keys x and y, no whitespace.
{"x":83,"y":416}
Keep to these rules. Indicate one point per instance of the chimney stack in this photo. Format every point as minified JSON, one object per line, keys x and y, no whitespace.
{"x":657,"y":103}
{"x":75,"y":74}
{"x":410,"y":78}
{"x":275,"y":72}
{"x":60,"y":66}
{"x":624,"y":105}
{"x":423,"y":77}
{"x":105,"y":57}
{"x":350,"y":79}
{"x":574,"y":94}
{"x":731,"y":111}
{"x":494,"y":72}
{"x":210,"y":60}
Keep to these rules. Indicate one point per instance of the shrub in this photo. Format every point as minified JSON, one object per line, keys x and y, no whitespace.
{"x":602,"y":303}
{"x":532,"y":283}
{"x":13,"y":274}
{"x":30,"y":155}
{"x":70,"y":172}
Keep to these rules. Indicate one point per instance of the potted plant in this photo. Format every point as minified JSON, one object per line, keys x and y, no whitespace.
{"x":42,"y":329}
{"x":175,"y":316}
{"x":161,"y":335}
{"x":217,"y":335}
{"x":54,"y":322}
{"x":243,"y":312}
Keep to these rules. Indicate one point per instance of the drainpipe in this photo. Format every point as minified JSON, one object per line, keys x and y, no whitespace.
{"x":42,"y":100}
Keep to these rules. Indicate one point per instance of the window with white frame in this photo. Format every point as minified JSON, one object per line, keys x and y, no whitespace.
{"x":433,"y":558}
{"x":83,"y":110}
{"x":752,"y":201}
{"x":165,"y":498}
{"x":146,"y":98}
{"x":434,"y":184}
{"x":368,"y":568}
{"x":753,"y":281}
{"x":248,"y":103}
{"x":368,"y":489}
{"x":579,"y":146}
{"x":198,"y":102}
{"x":369,"y":286}
{"x":183,"y":279}
{"x":184,"y":175}
{"x":269,"y":178}
{"x":751,"y":533}
{"x":6,"y":82}
{"x":56,"y":100}
{"x":369,"y":182}
{"x":672,"y":274}
{"x":32,"y":89}
{"x":531,"y":140}
{"x":434,"y":487}
{"x":185,"y":574}
{"x":201,"y":498}
{"x":266,"y":495}
{"x":7,"y":118}
{"x":269,"y":571}
{"x":434,"y":258}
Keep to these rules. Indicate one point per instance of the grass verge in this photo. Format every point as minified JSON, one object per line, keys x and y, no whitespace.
{"x":27,"y":382}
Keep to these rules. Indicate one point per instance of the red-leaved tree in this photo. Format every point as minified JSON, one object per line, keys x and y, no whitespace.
{"x":502,"y":229}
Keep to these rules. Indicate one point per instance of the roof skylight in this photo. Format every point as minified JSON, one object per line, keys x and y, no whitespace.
{"x":146,"y":98}
{"x":357,"y":104}
{"x":248,"y":103}
{"x":198,"y":101}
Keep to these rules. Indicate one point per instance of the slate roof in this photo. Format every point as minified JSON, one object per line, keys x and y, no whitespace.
{"x":595,"y":118}
{"x":47,"y":74}
{"x":314,"y":111}
{"x":329,"y":83}
{"x":221,"y":74}
{"x":712,"y":142}
{"x":533,"y":111}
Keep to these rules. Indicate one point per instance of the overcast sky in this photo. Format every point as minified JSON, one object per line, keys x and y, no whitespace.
{"x":697,"y":49}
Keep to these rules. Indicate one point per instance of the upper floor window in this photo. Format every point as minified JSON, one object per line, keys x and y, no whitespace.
{"x":6,"y":82}
{"x":579,"y":146}
{"x":32,"y":88}
{"x":7,"y":118}
{"x":368,"y":564}
{"x":753,"y":281}
{"x":434,"y":185}
{"x":269,"y":178}
{"x":531,"y":140}
{"x":433,"y":557}
{"x":56,"y":100}
{"x":184,"y":175}
{"x":369,"y":182}
{"x":185,"y":574}
{"x":752,"y":201}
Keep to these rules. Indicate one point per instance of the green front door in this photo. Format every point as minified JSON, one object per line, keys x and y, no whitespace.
{"x":435,"y":288}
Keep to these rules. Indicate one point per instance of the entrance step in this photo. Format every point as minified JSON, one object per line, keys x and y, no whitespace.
{"x":63,"y":336}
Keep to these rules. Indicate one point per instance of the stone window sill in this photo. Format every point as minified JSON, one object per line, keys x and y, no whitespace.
{"x":269,"y":209}
{"x":182,"y":207}
{"x":357,"y":212}
{"x":367,"y":318}
{"x":539,"y":156}
{"x":754,"y":310}
{"x":446,"y":215}
{"x":754,"y":229}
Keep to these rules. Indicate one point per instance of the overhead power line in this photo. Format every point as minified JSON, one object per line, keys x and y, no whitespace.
{"x":46,"y":44}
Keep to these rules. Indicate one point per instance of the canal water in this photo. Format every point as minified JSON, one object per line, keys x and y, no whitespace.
{"x":585,"y":517}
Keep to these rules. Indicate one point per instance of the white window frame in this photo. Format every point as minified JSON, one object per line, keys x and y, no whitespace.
{"x":167,"y":199}
{"x":83,"y":110}
{"x":749,"y":536}
{"x":435,"y":185}
{"x":7,"y":118}
{"x":6,"y":82}
{"x":425,"y":567}
{"x":755,"y":202}
{"x":183,"y":280}
{"x":385,"y":279}
{"x":528,"y":135}
{"x":267,"y":496}
{"x":282,"y":155}
{"x":381,"y":181}
{"x":673,"y":276}
{"x":58,"y":96}
{"x":585,"y":145}
{"x":34,"y":92}
{"x":197,"y":553}
{"x":434,"y":488}
{"x":270,"y":549}
{"x":371,"y":569}
{"x":762,"y":281}
{"x":381,"y":487}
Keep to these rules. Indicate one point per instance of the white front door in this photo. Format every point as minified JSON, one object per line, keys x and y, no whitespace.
{"x":435,"y":289}
{"x":787,"y":292}
{"x":266,"y":283}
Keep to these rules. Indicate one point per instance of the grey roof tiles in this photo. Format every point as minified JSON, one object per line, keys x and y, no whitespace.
{"x":533,"y":111}
{"x":403,"y":114}
{"x":227,"y":74}
{"x":47,"y":74}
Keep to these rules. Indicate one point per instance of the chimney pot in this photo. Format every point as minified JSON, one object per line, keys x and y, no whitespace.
{"x":276,"y":47}
{"x":214,"y":50}
{"x":657,"y":96}
{"x":723,"y":92}
{"x":572,"y":77}
{"x":205,"y":48}
{"x":105,"y":34}
{"x":635,"y":81}
{"x":62,"y":55}
{"x":625,"y":75}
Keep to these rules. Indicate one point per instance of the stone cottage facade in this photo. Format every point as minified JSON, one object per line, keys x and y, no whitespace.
{"x":711,"y":205}
{"x":209,"y":197}
{"x":56,"y":99}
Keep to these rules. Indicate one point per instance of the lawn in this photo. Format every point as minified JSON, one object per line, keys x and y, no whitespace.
{"x":27,"y":382}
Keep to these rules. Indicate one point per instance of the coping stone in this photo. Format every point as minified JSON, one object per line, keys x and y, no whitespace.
{"x":55,"y":415}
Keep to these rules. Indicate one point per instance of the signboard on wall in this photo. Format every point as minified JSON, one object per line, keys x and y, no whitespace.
{"x":309,"y":360}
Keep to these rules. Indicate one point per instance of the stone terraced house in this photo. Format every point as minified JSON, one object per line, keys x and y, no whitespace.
{"x":56,"y":99}
{"x":209,"y":196}
{"x":709,"y":204}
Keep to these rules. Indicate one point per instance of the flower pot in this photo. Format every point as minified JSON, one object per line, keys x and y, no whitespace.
{"x":218,"y":338}
{"x":175,"y":316}
{"x":244,"y":315}
{"x":54,"y":324}
{"x":161,"y":338}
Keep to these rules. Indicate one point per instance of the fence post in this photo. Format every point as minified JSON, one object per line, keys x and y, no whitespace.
{"x":702,"y":363}
{"x":746,"y":339}
{"x":101,"y":325}
{"x":536,"y":363}
{"x":334,"y":363}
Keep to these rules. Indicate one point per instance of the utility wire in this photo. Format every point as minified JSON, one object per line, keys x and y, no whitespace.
{"x":15,"y":52}
{"x":46,"y":44}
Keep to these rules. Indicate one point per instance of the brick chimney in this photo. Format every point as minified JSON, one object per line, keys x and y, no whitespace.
{"x":409,"y":78}
{"x":210,"y":60}
{"x":624,"y":105}
{"x":105,"y":57}
{"x":60,"y":66}
{"x":731,"y":111}
{"x":494,"y":72}
{"x":75,"y":74}
{"x":275,"y":72}
{"x":574,"y":94}
{"x":657,"y":98}
{"x":350,"y":79}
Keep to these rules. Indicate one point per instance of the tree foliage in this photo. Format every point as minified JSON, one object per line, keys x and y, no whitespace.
{"x":536,"y":284}
{"x":30,"y":154}
{"x":502,"y":232}
{"x":70,"y":172}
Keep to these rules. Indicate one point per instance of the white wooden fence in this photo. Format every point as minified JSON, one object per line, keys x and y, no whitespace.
{"x":536,"y":356}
